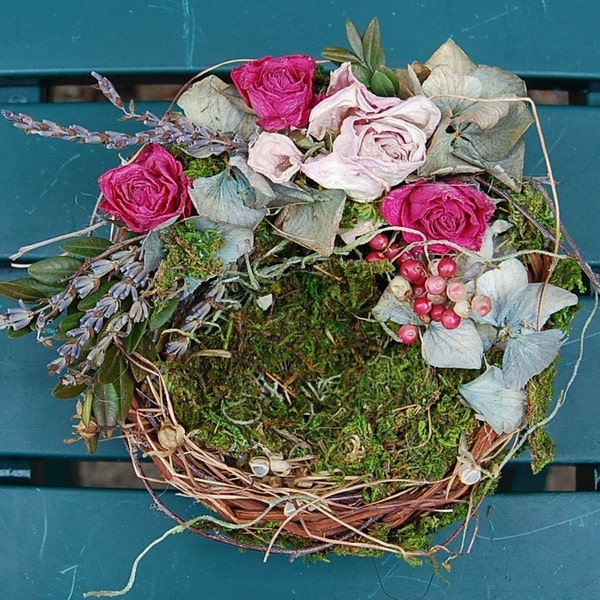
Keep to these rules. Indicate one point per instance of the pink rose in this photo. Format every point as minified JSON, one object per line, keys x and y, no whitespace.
{"x":452,"y":211}
{"x":278,"y":90}
{"x":275,"y":156}
{"x":378,"y":141}
{"x":147,"y":192}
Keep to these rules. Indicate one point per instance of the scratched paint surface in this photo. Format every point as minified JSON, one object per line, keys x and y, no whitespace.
{"x":186,"y":35}
{"x":59,"y":544}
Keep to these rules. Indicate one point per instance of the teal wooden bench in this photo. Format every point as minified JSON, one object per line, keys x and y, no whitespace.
{"x":59,"y":540}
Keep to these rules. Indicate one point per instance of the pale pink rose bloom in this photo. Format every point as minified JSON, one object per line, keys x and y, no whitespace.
{"x":275,"y":156}
{"x":378,"y":141}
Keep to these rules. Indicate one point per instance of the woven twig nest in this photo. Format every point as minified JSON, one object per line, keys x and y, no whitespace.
{"x":328,"y":307}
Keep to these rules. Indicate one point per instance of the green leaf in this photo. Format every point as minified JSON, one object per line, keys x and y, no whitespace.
{"x":371,"y":44}
{"x":382,"y":85}
{"x":362,"y":73}
{"x":54,"y":270}
{"x":125,"y":387}
{"x":20,"y":289}
{"x":147,"y":349}
{"x":66,"y":392}
{"x":91,"y":443}
{"x":132,"y":341}
{"x":106,"y":404}
{"x":355,"y":39}
{"x":314,"y":225}
{"x":92,"y":299}
{"x":14,"y":334}
{"x":86,"y":247}
{"x":112,"y":366}
{"x":70,"y":321}
{"x":160,"y":317}
{"x":339,"y":55}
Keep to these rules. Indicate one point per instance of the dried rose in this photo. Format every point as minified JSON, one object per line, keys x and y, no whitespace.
{"x":148,"y":191}
{"x":378,"y":141}
{"x":275,"y":156}
{"x":278,"y":90}
{"x":453,"y":211}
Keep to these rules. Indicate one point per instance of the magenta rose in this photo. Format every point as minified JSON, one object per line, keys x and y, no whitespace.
{"x":453,"y":211}
{"x":147,"y":192}
{"x":278,"y":90}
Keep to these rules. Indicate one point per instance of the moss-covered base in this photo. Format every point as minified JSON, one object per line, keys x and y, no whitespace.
{"x":311,"y":375}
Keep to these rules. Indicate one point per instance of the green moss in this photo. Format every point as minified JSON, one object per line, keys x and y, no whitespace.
{"x":199,"y":167}
{"x":312,"y":375}
{"x":187,"y":253}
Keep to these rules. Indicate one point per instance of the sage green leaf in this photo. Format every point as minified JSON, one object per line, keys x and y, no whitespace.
{"x":362,"y":73}
{"x":339,"y":55}
{"x":355,"y":39}
{"x":162,"y":316}
{"x":147,"y":350}
{"x":382,"y":85}
{"x":218,"y":198}
{"x":86,"y":247}
{"x":371,"y":45}
{"x":66,"y":392}
{"x":213,"y":103}
{"x":125,"y":388}
{"x":13,"y":334}
{"x":20,"y":289}
{"x":314,"y":225}
{"x":54,"y":270}
{"x":474,"y":135}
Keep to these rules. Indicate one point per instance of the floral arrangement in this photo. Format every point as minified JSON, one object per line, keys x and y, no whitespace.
{"x":328,"y":304}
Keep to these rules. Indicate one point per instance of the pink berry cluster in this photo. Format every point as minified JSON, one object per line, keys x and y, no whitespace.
{"x":433,"y":289}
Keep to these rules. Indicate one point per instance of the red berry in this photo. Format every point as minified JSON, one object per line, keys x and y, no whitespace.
{"x":481,"y":304}
{"x":456,"y":291}
{"x":450,"y":320}
{"x":373,"y":256}
{"x":436,"y":312}
{"x":435,"y":285}
{"x":422,"y":306}
{"x":392,"y":251}
{"x":414,"y":271}
{"x":447,"y":267}
{"x":408,"y":334}
{"x":379,"y":241}
{"x":419,"y":291}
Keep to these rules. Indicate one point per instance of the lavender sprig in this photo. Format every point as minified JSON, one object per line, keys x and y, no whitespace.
{"x":161,"y":130}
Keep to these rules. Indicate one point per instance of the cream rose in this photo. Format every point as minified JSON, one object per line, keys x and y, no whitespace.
{"x":275,"y":156}
{"x":378,"y":141}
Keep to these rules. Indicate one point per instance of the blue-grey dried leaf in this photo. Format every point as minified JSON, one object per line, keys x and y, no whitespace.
{"x":459,"y":348}
{"x":499,"y":406}
{"x":219,"y":198}
{"x":391,"y":308}
{"x":528,"y":354}
{"x":315,"y":225}
{"x":532,"y":305}
{"x":215,"y":104}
